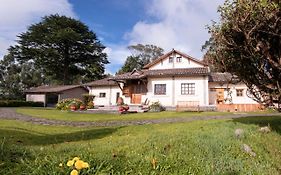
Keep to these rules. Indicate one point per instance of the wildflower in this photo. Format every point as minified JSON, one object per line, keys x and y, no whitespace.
{"x":79,"y":164}
{"x":60,"y":165}
{"x":74,"y":172}
{"x":70,"y":163}
{"x":75,"y":159}
{"x":154,"y":162}
{"x":85,"y":165}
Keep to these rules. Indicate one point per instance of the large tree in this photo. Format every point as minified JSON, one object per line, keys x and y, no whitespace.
{"x":247,"y":42}
{"x":64,"y":48}
{"x":141,"y":55}
{"x":15,"y":78}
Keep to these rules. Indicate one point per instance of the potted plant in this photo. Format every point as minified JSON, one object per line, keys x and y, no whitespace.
{"x":82,"y":107}
{"x":126,"y":107}
{"x":73,"y":106}
{"x":123,"y":108}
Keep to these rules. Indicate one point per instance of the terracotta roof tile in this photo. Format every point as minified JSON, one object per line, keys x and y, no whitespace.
{"x":162,"y":73}
{"x":222,"y":77}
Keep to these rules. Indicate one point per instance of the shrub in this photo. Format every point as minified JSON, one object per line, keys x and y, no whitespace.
{"x":88,"y":98}
{"x":20,"y":103}
{"x":156,"y":107}
{"x":65,"y":103}
{"x":90,"y":105}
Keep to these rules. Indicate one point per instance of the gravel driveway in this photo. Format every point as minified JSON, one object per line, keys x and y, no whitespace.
{"x":10,"y":114}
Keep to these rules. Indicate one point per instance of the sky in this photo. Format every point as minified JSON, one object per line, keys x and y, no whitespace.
{"x":170,"y":24}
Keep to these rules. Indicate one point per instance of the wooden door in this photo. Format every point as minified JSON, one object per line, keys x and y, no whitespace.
{"x":220,"y":96}
{"x":136,"y":99}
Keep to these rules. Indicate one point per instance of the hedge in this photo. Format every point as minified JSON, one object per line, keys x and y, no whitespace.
{"x":19,"y":103}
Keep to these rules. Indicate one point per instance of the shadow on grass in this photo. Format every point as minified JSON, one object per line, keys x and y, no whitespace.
{"x":28,"y":137}
{"x":273,"y":121}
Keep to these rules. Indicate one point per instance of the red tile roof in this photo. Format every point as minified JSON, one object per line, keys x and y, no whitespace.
{"x":222,"y":77}
{"x":162,"y":73}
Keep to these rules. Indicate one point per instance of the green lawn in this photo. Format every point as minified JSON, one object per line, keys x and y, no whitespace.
{"x":76,"y":116}
{"x":199,"y":147}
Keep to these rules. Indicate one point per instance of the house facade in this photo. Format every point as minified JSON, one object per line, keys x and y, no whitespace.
{"x":173,"y":79}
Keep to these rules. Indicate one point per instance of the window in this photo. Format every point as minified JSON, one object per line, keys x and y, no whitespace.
{"x":187,"y":88}
{"x":239,"y":92}
{"x":102,"y":95}
{"x":178,"y":59}
{"x":171,"y":59}
{"x":160,"y":89}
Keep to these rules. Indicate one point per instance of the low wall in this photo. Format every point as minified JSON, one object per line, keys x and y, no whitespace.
{"x":239,"y":107}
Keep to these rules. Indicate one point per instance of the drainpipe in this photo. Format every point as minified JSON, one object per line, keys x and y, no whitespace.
{"x":110,"y":94}
{"x":206,"y":90}
{"x":173,"y":91}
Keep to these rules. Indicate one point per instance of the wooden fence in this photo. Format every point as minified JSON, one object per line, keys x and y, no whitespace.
{"x":239,"y":107}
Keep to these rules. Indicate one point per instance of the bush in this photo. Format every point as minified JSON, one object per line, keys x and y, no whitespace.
{"x":156,"y":107}
{"x":66,"y":103}
{"x":20,"y":103}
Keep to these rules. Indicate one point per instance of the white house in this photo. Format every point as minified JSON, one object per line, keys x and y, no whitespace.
{"x":173,"y":79}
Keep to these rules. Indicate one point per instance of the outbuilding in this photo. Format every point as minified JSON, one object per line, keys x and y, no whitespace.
{"x":50,"y":95}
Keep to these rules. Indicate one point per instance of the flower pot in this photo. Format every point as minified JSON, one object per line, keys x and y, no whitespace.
{"x":82,"y":107}
{"x":125,"y":108}
{"x":73,"y":108}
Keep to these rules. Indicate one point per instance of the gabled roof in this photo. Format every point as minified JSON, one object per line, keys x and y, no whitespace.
{"x":53,"y":89}
{"x":178,"y":72}
{"x":162,"y":73}
{"x":101,"y":82}
{"x":170,"y":53}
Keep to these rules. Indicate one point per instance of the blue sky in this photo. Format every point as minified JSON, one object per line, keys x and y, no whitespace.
{"x":178,"y":24}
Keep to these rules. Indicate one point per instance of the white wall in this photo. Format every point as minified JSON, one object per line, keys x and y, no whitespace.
{"x":173,"y":90}
{"x":109,"y":99}
{"x":35,"y":97}
{"x":235,"y":99}
{"x":185,"y":63}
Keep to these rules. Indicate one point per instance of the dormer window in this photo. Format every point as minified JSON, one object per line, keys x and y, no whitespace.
{"x":171,"y":59}
{"x":178,"y":59}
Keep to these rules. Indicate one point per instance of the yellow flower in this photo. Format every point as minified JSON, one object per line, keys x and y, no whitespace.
{"x":154,"y":162}
{"x":79,"y":164}
{"x":60,"y":165}
{"x":75,"y":159}
{"x":74,"y":172}
{"x":70,"y":163}
{"x":85,"y":165}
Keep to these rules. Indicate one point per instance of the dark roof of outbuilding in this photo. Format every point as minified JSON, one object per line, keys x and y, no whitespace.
{"x":53,"y":88}
{"x":101,"y":82}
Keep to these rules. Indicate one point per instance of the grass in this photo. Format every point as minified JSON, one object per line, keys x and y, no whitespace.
{"x":76,"y":116}
{"x":199,"y":147}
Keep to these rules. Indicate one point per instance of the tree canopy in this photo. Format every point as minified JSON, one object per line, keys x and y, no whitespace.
{"x":247,"y":42}
{"x":63,"y":48}
{"x":15,"y":78}
{"x":141,"y":55}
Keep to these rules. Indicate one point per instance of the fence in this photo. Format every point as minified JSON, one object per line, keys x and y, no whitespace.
{"x":239,"y":107}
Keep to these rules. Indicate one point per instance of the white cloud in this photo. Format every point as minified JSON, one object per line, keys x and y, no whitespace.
{"x":180,"y":24}
{"x":17,"y":15}
{"x":117,"y":55}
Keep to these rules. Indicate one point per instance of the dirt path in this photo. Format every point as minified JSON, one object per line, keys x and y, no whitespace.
{"x":10,"y":114}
